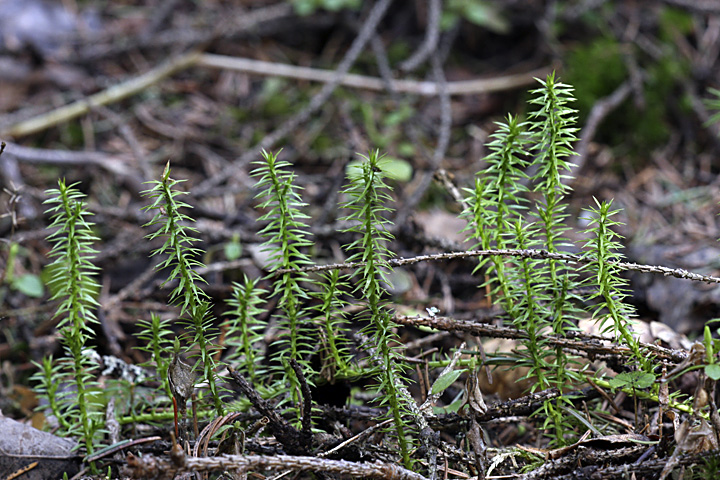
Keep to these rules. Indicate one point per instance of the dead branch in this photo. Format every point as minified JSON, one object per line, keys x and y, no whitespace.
{"x":414,"y":87}
{"x":270,"y":140}
{"x":246,"y":463}
{"x":591,"y":344}
{"x":113,"y":94}
{"x":527,"y":253}
{"x":293,"y":440}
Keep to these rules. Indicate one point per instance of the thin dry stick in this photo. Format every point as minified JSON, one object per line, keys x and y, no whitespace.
{"x":117,"y":165}
{"x":422,"y":88}
{"x":233,"y":24}
{"x":600,"y":110}
{"x":270,"y":140}
{"x":293,"y":441}
{"x":592,"y":344}
{"x":138,"y":151}
{"x":306,"y":421}
{"x":128,"y":290}
{"x":110,"y":95}
{"x":133,"y":287}
{"x":432,"y":35}
{"x":446,"y":179}
{"x":383,"y":64}
{"x":427,"y":405}
{"x":442,"y":142}
{"x":528,"y":253}
{"x":246,"y":463}
{"x":331,"y":78}
{"x":360,"y":436}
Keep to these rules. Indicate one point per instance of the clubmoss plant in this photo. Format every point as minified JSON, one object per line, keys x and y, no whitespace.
{"x":535,"y":293}
{"x":285,"y":238}
{"x":181,"y":260}
{"x":368,"y":197}
{"x":335,"y":354}
{"x":497,"y":200}
{"x":613,"y":314}
{"x":531,"y":300}
{"x":553,"y":132}
{"x":157,"y":335}
{"x":245,"y":330}
{"x":76,"y":408}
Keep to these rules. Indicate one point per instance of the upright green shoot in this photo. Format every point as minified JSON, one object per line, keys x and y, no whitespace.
{"x":531,"y":307}
{"x":245,"y":331}
{"x":496,"y":201}
{"x":331,"y":318}
{"x":157,"y":337}
{"x":534,"y":293}
{"x":181,"y":260}
{"x":553,"y":131}
{"x":368,"y":196}
{"x":285,"y":238}
{"x":73,"y":283}
{"x":612,"y":312}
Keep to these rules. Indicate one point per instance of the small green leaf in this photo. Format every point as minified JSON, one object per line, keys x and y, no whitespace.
{"x":637,"y":380}
{"x":396,"y":169}
{"x":337,"y":5}
{"x":233,"y":250}
{"x":354,"y":169}
{"x":458,"y":402}
{"x":481,"y":13}
{"x":30,"y":285}
{"x":398,"y":116}
{"x":406,"y":149}
{"x":448,"y":20}
{"x":617,"y":382}
{"x":713,"y":371}
{"x":445,"y":380}
{"x":709,"y":345}
{"x":399,"y":281}
{"x":645,"y":380}
{"x":304,"y":7}
{"x":393,"y":168}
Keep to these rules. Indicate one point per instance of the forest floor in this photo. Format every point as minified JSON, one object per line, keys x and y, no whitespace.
{"x":206,"y":86}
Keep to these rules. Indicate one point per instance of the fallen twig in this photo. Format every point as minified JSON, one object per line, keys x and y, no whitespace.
{"x":149,"y":465}
{"x":415,"y":87}
{"x":113,"y":94}
{"x":293,"y":440}
{"x":527,"y":253}
{"x":600,"y":110}
{"x":592,"y":344}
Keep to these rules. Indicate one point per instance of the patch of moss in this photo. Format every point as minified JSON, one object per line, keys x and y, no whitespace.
{"x":674,"y":21}
{"x":596,"y":69}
